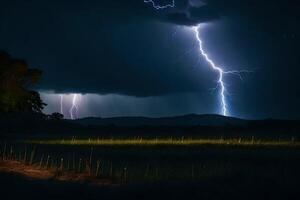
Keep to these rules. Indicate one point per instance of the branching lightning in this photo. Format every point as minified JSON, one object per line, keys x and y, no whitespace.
{"x":73,"y":112}
{"x":159,"y":7}
{"x":74,"y":108}
{"x":218,"y":69}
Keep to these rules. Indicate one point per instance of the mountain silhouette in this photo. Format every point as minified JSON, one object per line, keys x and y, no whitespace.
{"x":184,"y":120}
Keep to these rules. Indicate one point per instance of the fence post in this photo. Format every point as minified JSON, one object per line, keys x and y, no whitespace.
{"x":11,"y":153}
{"x":61,"y":164}
{"x":79,"y":165}
{"x":4,"y":152}
{"x":90,"y":161}
{"x":47,"y":162}
{"x":192,"y":171}
{"x":25,"y":155}
{"x":73,"y":162}
{"x":41,"y":161}
{"x":111,"y":170}
{"x":68,"y":163}
{"x":32,"y":156}
{"x":125,"y":175}
{"x":97,"y":168}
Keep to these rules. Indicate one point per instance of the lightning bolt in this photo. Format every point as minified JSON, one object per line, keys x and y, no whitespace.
{"x":215,"y":68}
{"x":159,"y":7}
{"x":61,"y":104}
{"x":218,"y":69}
{"x":74,"y":108}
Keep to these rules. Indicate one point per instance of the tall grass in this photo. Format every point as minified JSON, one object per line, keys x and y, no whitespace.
{"x":126,"y":159}
{"x":167,"y":142}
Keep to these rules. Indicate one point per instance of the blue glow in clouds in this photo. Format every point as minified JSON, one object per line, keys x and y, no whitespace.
{"x":65,"y":99}
{"x":218,"y":69}
{"x":74,"y":108}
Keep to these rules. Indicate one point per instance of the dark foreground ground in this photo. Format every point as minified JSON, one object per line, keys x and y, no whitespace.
{"x":238,"y":187}
{"x":219,"y":172}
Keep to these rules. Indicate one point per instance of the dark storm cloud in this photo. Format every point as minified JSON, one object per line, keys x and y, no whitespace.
{"x":192,"y":16}
{"x":127,"y":47}
{"x":184,"y":12}
{"x":273,"y":16}
{"x":81,"y":46}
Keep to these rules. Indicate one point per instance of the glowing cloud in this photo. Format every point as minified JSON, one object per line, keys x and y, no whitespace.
{"x":61,"y":104}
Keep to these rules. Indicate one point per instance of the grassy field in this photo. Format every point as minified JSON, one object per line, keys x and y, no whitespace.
{"x":220,"y":165}
{"x":162,"y":159}
{"x":168,"y":142}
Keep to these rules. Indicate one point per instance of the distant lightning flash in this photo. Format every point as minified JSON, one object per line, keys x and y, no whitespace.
{"x":218,"y":69}
{"x":74,"y":108}
{"x":61,"y":104}
{"x":159,"y":7}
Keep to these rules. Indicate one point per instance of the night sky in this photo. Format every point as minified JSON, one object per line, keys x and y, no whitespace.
{"x":125,"y":58}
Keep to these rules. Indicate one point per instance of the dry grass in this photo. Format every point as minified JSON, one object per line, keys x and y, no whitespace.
{"x":35,"y":172}
{"x":169,"y":142}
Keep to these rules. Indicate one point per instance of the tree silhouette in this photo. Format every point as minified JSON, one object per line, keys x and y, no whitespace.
{"x":56,"y":116}
{"x":16,"y":79}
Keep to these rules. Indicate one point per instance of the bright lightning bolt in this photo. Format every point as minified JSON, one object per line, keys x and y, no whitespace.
{"x":74,"y":108}
{"x":218,"y":69}
{"x":215,"y":68}
{"x":75,"y":98}
{"x":158,"y":7}
{"x":221,"y":72}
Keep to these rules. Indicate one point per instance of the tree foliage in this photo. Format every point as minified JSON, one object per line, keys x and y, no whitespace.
{"x":16,"y":81}
{"x":56,"y":116}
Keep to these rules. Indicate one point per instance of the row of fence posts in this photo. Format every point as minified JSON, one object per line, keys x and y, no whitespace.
{"x":28,"y":157}
{"x":46,"y":162}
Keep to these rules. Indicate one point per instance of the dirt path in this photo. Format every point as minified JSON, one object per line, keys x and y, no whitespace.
{"x":34,"y":172}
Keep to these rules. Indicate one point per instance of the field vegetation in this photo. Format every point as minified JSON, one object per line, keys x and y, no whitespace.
{"x":161,"y":159}
{"x":169,"y":142}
